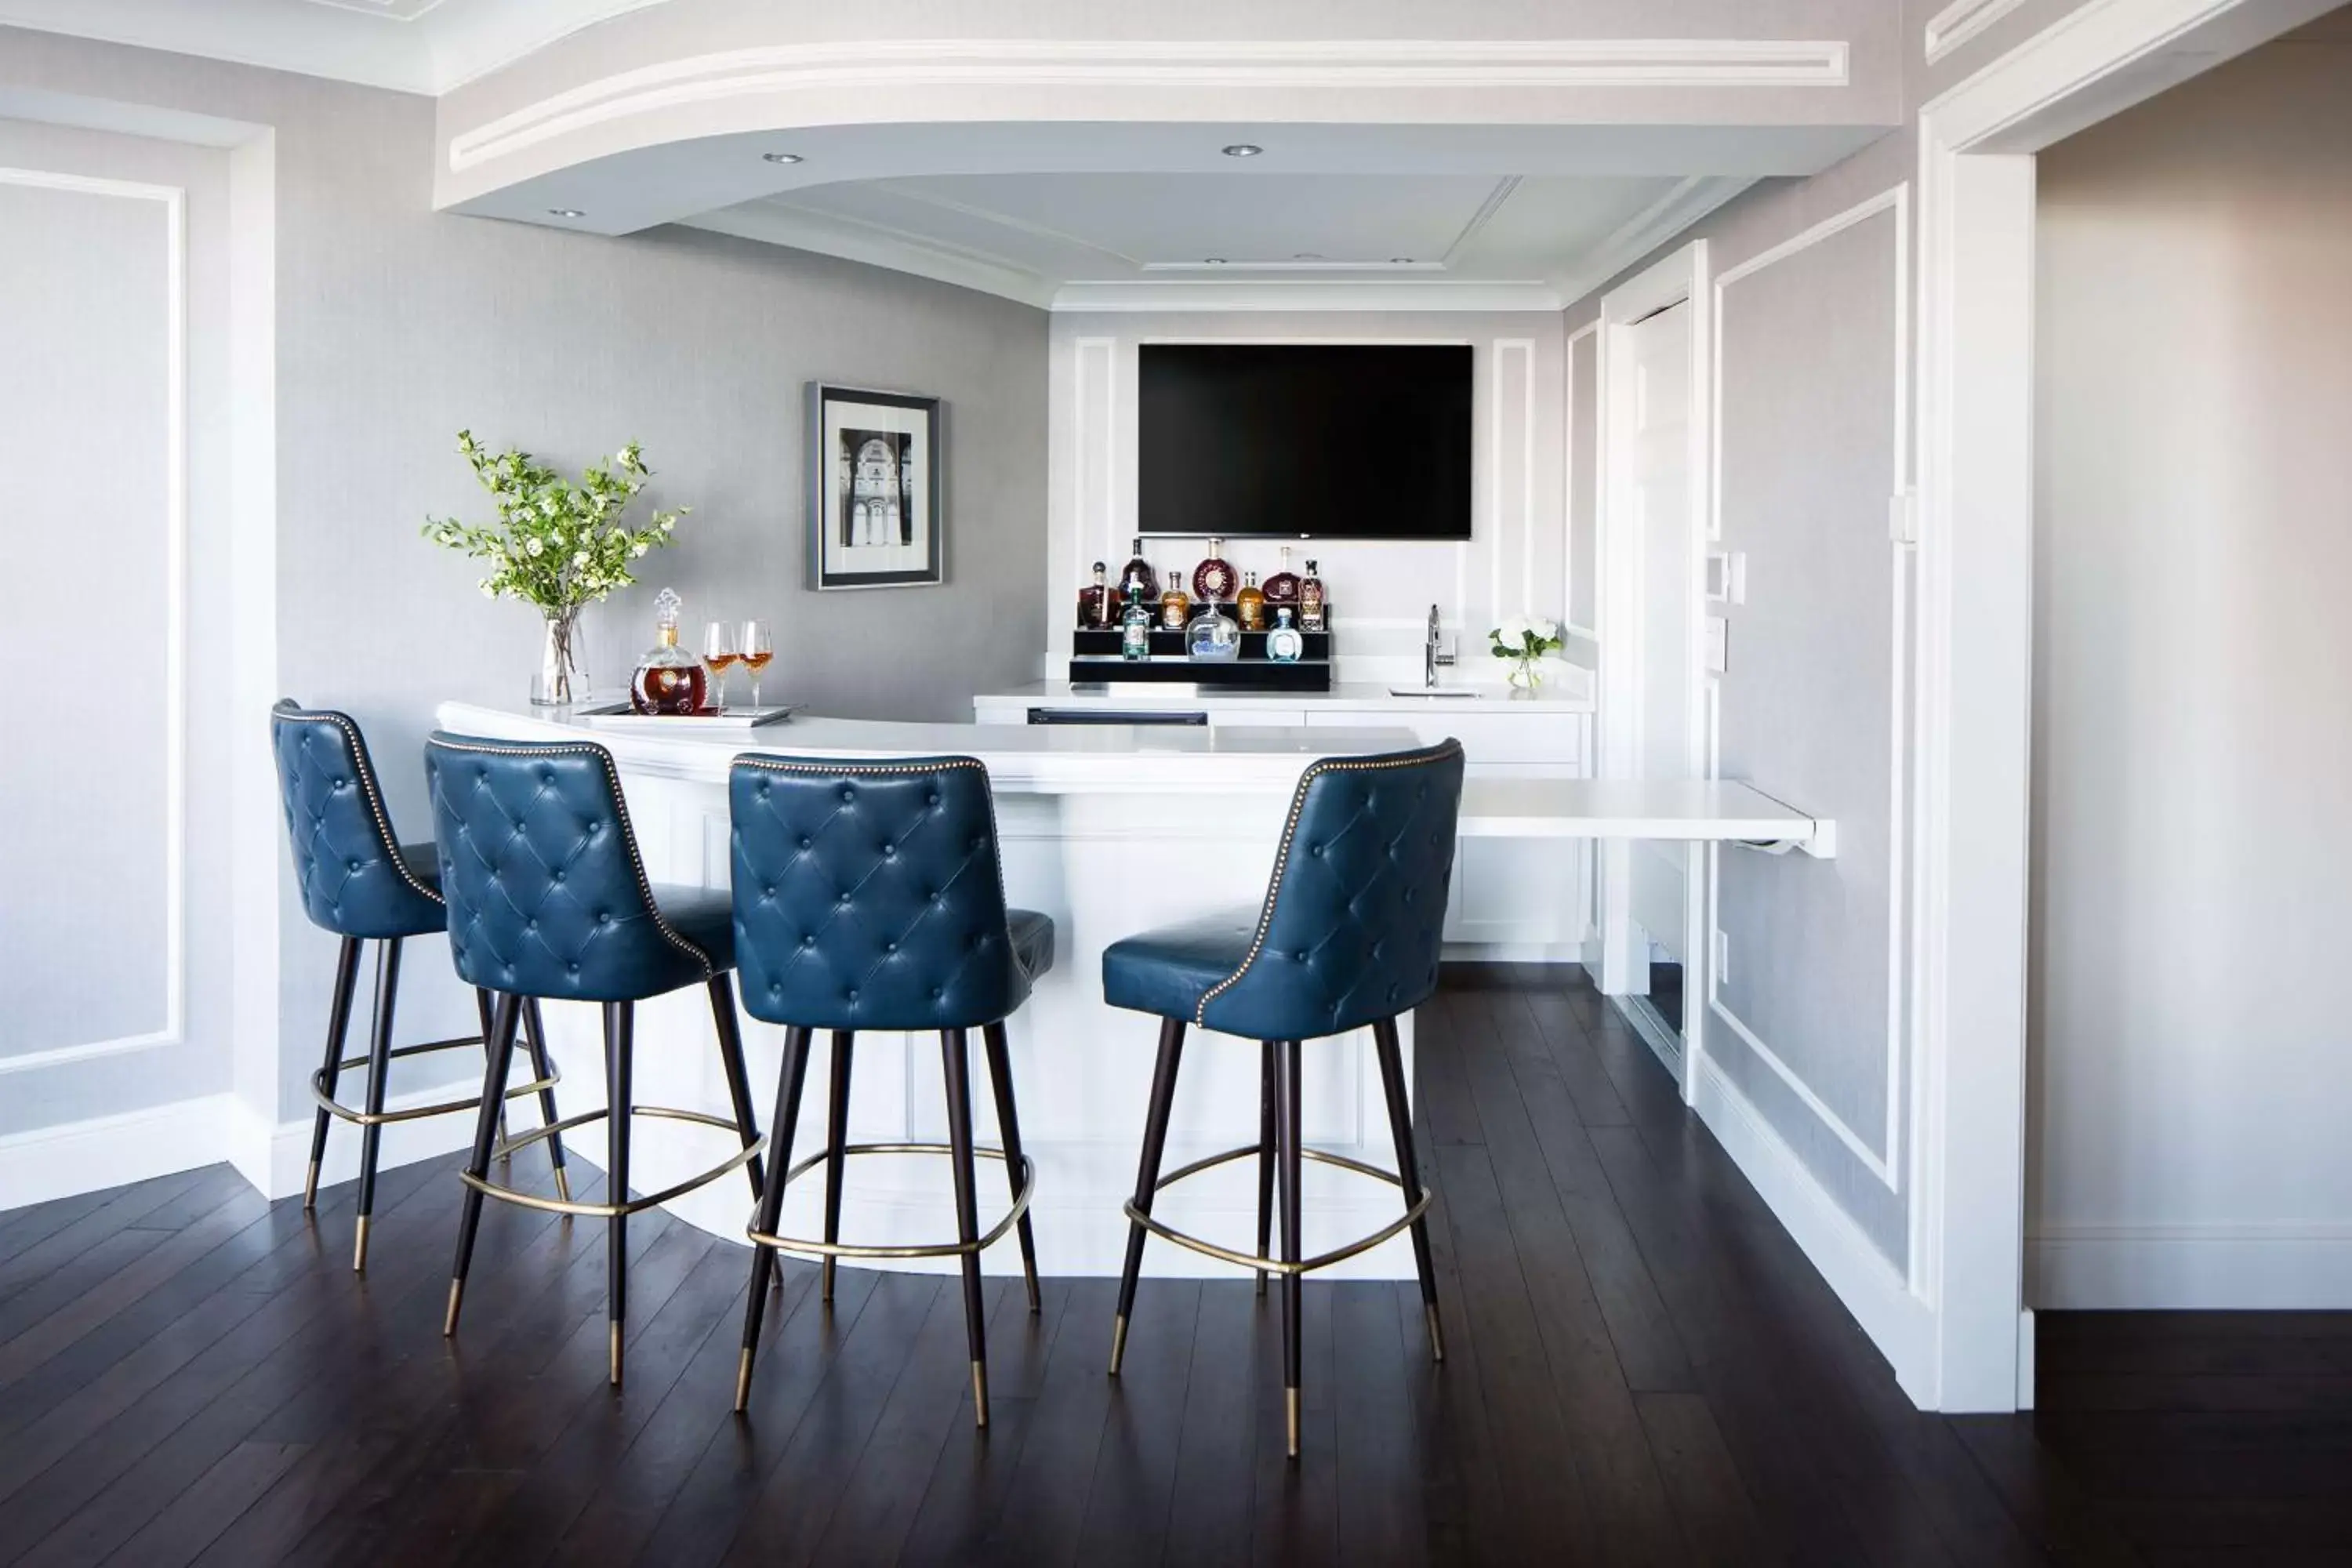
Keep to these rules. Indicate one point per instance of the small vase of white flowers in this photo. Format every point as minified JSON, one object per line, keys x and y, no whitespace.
{"x":559,"y":546}
{"x":1526,"y":643}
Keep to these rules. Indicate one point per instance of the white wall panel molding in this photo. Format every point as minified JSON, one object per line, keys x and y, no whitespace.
{"x":1569,"y":415}
{"x":172,"y":662}
{"x":1396,"y":65}
{"x":1956,"y":24}
{"x":1884,"y":1162}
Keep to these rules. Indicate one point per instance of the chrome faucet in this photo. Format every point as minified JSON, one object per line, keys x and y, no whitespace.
{"x":1433,"y":653}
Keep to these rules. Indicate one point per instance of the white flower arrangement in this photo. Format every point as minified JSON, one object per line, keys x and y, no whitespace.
{"x":557,"y":544}
{"x":1526,"y":642}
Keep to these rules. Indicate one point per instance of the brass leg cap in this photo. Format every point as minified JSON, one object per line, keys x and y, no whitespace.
{"x":1117,"y":1342}
{"x":980,"y":1394}
{"x":1436,"y":1340}
{"x":359,"y":1247}
{"x":615,"y":1342}
{"x":743,"y":1381}
{"x":1290,"y":1412}
{"x":311,"y":1190}
{"x":449,"y":1318}
{"x":562,"y":1186}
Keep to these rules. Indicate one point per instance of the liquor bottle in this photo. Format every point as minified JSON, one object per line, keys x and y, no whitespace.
{"x":1251,"y":604}
{"x":1137,"y":575}
{"x":1214,"y":579}
{"x":1174,"y":607}
{"x":1284,"y":644}
{"x":1282,"y":588}
{"x":669,"y":679}
{"x":1212,"y":634}
{"x":1135,"y":627}
{"x":1310,"y":601}
{"x":1097,"y":605}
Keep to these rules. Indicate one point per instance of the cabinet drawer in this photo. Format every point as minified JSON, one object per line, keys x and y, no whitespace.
{"x":1485,"y":737}
{"x":1256,"y":717}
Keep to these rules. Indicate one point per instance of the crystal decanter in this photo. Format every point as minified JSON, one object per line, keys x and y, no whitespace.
{"x":1212,"y":636}
{"x":669,"y":679}
{"x":1282,"y":588}
{"x":1214,"y":580}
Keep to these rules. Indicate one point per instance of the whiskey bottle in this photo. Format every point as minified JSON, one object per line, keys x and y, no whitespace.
{"x":1212,"y":637}
{"x":668,"y":679}
{"x":1284,"y":644}
{"x":1174,"y":607}
{"x":1135,"y":627}
{"x":1282,"y":588}
{"x":1136,"y":576}
{"x":1098,"y":606}
{"x":1251,"y":604}
{"x":1310,"y":601}
{"x":1214,"y":579}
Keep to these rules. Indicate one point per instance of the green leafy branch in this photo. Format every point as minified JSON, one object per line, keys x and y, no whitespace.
{"x":556,"y":544}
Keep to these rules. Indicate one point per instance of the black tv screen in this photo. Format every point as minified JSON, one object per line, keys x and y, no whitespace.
{"x":1303,"y":441}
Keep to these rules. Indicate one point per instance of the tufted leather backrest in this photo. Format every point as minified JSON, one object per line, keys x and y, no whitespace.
{"x":1353,"y":919}
{"x":868,"y":894}
{"x":547,"y":895}
{"x":346,"y":861}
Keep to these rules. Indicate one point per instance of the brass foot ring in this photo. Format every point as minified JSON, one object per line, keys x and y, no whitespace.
{"x":928,"y":1249}
{"x":1275,"y":1265}
{"x":488,"y":1188}
{"x":334,"y":1107}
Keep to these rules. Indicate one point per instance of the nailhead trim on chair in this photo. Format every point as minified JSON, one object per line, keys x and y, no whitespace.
{"x":628,"y":828}
{"x":857,"y":769}
{"x":366,"y":770}
{"x":1289,"y":830}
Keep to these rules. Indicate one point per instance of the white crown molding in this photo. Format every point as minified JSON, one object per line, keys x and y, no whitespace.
{"x":1257,"y":294}
{"x":1232,"y":65}
{"x":1690,"y":200}
{"x":1961,"y":20}
{"x":879,"y":245}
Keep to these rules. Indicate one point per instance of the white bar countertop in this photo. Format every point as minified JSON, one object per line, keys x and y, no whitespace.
{"x":1565,"y":693}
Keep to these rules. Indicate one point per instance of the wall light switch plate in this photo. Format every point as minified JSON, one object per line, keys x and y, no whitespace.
{"x":1718,"y":577}
{"x":1718,"y":645}
{"x":1739,"y":577}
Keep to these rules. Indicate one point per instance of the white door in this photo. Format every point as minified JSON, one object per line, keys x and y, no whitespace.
{"x":1658,"y":495}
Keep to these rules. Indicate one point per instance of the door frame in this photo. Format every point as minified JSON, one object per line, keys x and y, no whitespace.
{"x":1680,"y":277}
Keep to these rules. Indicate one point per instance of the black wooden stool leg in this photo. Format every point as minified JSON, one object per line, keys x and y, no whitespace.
{"x":1147,"y":1176}
{"x":739,"y":1083}
{"x":771,"y":1201}
{"x":534,"y":1034}
{"x":836,"y":1137}
{"x":1384,"y":1042}
{"x":1267,"y":1145}
{"x":339,"y":1025}
{"x":486,"y":1132}
{"x":484,"y":1007}
{"x":387,"y":988}
{"x":1008,"y":1127}
{"x":620,"y":1045}
{"x":1287,"y":1085}
{"x":953,"y":1057}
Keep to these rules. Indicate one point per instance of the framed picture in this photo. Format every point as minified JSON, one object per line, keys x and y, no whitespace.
{"x":874,"y":516}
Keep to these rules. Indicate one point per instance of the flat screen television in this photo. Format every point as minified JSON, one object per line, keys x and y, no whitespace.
{"x":1303,"y":441}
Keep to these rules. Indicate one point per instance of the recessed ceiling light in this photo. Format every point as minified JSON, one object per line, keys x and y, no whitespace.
{"x":782,"y":157}
{"x":565,"y":211}
{"x":1308,"y":256}
{"x":1400,"y":262}
{"x":1212,"y":261}
{"x":1243,"y":150}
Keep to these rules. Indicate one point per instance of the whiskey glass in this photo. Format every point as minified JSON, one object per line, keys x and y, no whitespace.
{"x":755,"y":651}
{"x":719,"y":652}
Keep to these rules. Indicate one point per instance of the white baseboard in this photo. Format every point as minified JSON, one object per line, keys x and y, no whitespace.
{"x":51,"y":1163}
{"x":1651,"y":1025}
{"x":1513,"y":953}
{"x":1899,"y":1323}
{"x":2254,"y":1265}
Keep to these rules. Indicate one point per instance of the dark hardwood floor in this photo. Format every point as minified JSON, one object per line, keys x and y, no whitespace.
{"x":1641,"y":1369}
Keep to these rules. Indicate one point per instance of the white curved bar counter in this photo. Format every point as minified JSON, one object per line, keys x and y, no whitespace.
{"x":1108,"y":830}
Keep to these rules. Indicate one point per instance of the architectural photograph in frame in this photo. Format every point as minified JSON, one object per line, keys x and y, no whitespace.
{"x":874,"y":515}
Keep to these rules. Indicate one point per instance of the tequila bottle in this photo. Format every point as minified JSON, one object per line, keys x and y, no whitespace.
{"x":1284,"y":644}
{"x":1135,"y":627}
{"x":1214,"y":579}
{"x":1174,"y":607}
{"x":1282,"y":588}
{"x":668,"y":679}
{"x":1310,"y":601}
{"x":1097,"y":605}
{"x":1251,"y":604}
{"x":1212,"y":634}
{"x":1136,"y":576}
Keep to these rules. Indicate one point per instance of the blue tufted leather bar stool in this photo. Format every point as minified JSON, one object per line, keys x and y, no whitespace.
{"x":363,"y":884}
{"x":548,"y":897}
{"x":869,"y":895}
{"x":1348,"y":935}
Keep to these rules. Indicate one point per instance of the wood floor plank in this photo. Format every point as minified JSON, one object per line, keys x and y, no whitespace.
{"x":1133,"y":1494}
{"x":1044,"y":1505}
{"x":1711,"y":1504}
{"x":1218,"y":1434}
{"x":1377,"y":1459}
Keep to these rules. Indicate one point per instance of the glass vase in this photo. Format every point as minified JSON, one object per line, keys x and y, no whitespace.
{"x":563,"y":677}
{"x":1526,"y":674}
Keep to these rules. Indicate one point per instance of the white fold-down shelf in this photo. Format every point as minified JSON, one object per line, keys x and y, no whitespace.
{"x":1691,"y":810}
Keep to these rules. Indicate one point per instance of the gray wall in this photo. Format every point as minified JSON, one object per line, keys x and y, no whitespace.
{"x":2192,"y":871}
{"x":395,"y":326}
